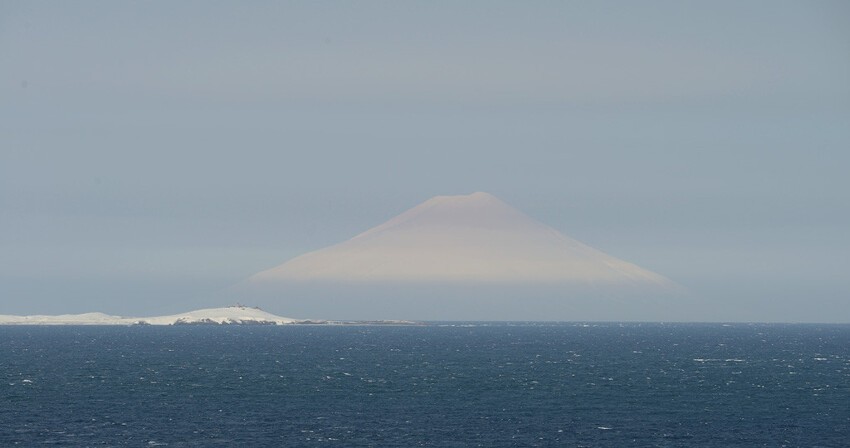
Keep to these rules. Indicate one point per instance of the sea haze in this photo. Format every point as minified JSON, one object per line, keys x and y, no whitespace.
{"x":473,"y":384}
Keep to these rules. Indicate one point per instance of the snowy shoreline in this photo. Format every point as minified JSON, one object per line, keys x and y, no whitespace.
{"x":231,"y":315}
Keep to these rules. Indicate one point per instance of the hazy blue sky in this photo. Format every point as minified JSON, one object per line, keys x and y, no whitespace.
{"x":153,"y":153}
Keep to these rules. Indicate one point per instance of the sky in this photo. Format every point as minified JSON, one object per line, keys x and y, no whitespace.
{"x":152,"y":154}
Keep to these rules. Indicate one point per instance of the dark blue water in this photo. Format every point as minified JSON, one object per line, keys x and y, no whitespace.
{"x":498,"y":385}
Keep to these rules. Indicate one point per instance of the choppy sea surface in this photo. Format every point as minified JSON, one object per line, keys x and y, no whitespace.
{"x":470,"y":384}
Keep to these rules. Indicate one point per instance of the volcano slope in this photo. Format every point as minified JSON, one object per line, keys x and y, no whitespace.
{"x":464,"y":257}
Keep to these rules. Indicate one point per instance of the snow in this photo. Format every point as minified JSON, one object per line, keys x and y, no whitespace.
{"x":228,"y":315}
{"x":63,"y":319}
{"x":474,"y":237}
{"x":231,"y":315}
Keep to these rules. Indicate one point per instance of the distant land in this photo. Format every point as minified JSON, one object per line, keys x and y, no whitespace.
{"x":464,"y":257}
{"x":468,"y":238}
{"x":232,"y":315}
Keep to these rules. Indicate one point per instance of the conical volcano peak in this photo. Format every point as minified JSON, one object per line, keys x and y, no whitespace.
{"x":472,"y":202}
{"x":479,"y":198}
{"x":473,"y":211}
{"x":467,"y":238}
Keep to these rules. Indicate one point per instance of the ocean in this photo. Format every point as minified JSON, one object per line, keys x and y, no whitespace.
{"x":473,"y":384}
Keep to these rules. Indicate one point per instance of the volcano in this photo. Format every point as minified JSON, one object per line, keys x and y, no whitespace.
{"x":475,"y":238}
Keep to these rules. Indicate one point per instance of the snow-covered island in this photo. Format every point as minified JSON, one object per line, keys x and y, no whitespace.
{"x":231,"y":315}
